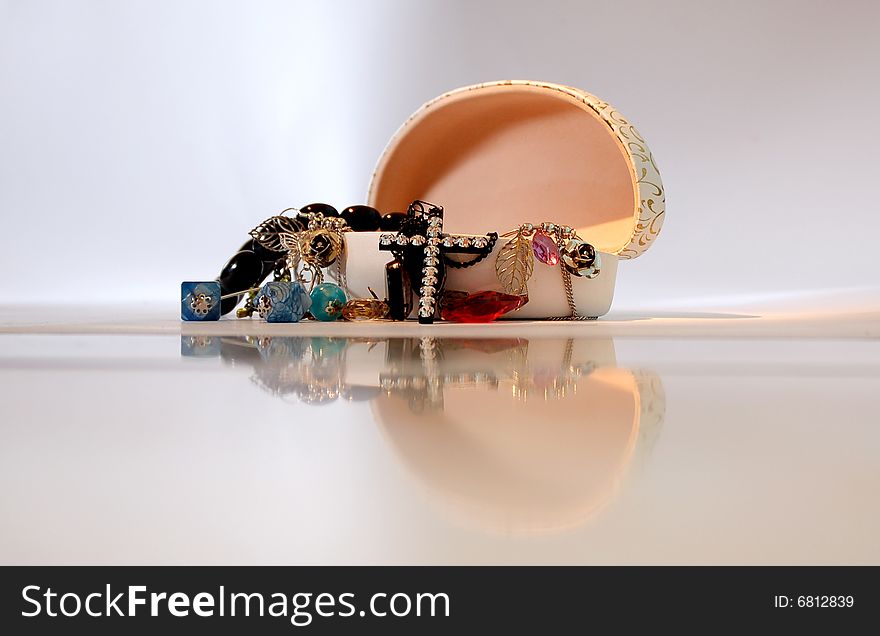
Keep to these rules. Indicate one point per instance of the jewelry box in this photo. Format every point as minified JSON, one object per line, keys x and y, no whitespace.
{"x":501,"y":154}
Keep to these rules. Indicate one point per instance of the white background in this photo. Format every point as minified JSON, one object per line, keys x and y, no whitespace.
{"x":140,"y":140}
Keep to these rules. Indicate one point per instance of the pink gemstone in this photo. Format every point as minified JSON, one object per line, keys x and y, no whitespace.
{"x":545,"y":248}
{"x":484,"y":306}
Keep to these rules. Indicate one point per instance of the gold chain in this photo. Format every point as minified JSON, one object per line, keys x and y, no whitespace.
{"x":569,"y":296}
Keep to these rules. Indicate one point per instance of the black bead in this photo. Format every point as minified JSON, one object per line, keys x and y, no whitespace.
{"x":400,"y":294}
{"x":361,"y":218}
{"x":391,"y":222}
{"x":323,"y":208}
{"x":265,"y":255}
{"x":243,"y":271}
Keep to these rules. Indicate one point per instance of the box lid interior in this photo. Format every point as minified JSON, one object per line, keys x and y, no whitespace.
{"x":500,"y":154}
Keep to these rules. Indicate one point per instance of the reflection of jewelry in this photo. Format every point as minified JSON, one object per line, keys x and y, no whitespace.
{"x":312,"y":369}
{"x":414,"y":371}
{"x":550,"y":244}
{"x":422,"y":246}
{"x":419,"y":370}
{"x":529,"y":383}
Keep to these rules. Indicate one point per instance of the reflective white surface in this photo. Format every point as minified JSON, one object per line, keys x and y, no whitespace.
{"x":574,"y":444}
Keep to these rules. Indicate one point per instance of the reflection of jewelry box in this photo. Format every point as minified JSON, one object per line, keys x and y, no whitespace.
{"x":567,"y":427}
{"x":500,"y":154}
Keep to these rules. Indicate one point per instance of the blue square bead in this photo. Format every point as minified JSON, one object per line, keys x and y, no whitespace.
{"x":200,"y":300}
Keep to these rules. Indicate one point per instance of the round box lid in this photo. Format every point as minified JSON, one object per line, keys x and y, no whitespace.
{"x":499,"y":154}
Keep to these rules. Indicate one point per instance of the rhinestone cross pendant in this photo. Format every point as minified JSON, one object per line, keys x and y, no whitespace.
{"x":421,"y":245}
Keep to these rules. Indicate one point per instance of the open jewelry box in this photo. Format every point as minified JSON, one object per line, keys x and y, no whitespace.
{"x":500,"y":154}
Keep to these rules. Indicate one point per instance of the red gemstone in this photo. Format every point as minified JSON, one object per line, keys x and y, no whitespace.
{"x":484,"y":306}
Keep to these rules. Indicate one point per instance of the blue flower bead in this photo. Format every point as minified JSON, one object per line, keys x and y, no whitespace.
{"x":282,"y":301}
{"x":327,"y":302}
{"x":200,"y":300}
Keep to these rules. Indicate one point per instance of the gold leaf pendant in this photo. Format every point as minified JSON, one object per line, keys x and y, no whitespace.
{"x":514,"y":264}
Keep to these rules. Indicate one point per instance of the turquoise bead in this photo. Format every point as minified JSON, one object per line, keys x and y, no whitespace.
{"x":327,"y":302}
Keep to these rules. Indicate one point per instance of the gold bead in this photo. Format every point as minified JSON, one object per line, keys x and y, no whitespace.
{"x":580,"y":258}
{"x":320,"y":247}
{"x":365,"y":309}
